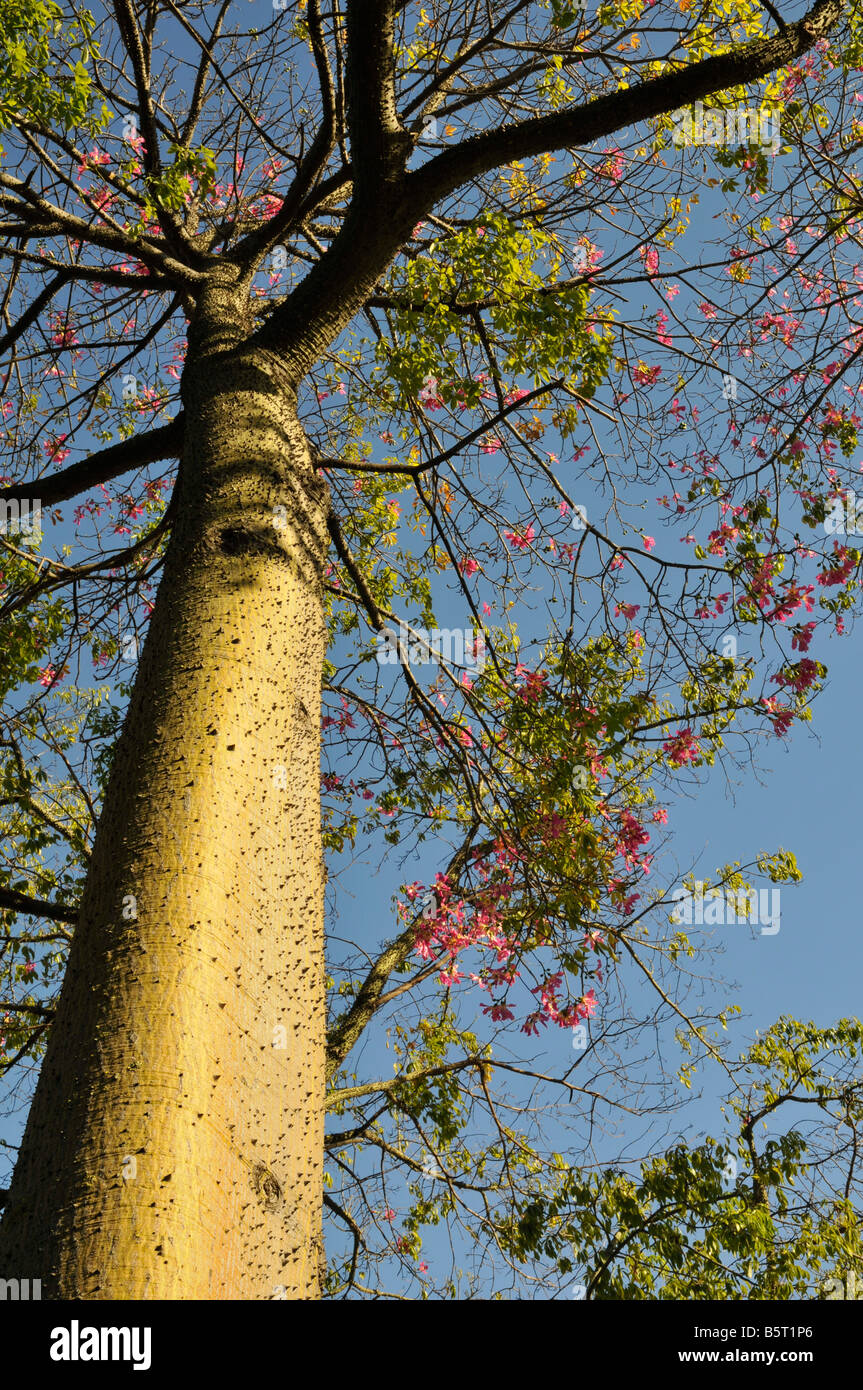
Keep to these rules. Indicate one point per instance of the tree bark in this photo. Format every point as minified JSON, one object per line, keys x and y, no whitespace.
{"x":174,"y":1147}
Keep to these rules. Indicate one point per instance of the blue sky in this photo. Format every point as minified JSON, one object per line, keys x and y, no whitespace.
{"x":800,"y":796}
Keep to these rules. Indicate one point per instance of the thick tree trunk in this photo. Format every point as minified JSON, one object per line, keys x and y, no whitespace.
{"x":174,"y":1147}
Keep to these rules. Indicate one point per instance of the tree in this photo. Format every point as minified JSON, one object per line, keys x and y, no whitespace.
{"x":347,"y":230}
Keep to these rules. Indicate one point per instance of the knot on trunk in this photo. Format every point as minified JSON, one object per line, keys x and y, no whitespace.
{"x":266,"y":1186}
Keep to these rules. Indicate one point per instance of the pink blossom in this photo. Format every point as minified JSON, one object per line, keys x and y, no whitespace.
{"x":54,"y":449}
{"x":799,"y":677}
{"x":50,"y":676}
{"x":428,"y":396}
{"x":93,"y":160}
{"x":613,"y":165}
{"x":497,"y":1012}
{"x":682,"y":749}
{"x":588,"y":1005}
{"x":520,"y":541}
{"x":781,"y":716}
{"x":517,"y":393}
{"x":802,"y":636}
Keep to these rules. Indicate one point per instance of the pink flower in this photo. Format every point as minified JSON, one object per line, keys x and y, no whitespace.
{"x":62,"y":332}
{"x":802,"y":636}
{"x":587,"y":1007}
{"x":632,"y":835}
{"x":842,"y":569}
{"x":587,"y":256}
{"x":799,"y":677}
{"x":517,"y":393}
{"x":54,"y":449}
{"x":650,"y":256}
{"x":468,"y":565}
{"x":93,"y":160}
{"x":497,"y":1012}
{"x":780,"y":716}
{"x":613,"y":165}
{"x":50,"y":676}
{"x":428,"y":394}
{"x":648,"y":542}
{"x":520,"y":541}
{"x":682,"y":749}
{"x":534,"y":683}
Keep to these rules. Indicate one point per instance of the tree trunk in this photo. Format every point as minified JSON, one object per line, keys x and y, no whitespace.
{"x":174,"y":1147}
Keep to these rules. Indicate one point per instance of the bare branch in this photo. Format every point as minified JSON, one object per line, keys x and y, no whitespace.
{"x":36,"y":907}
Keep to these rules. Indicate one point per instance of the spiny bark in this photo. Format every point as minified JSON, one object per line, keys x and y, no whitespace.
{"x":175,"y":1143}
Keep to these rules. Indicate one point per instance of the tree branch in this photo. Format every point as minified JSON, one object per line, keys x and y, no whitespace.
{"x":346,"y":1031}
{"x":14,"y":901}
{"x":580,"y":125}
{"x":376,"y":226}
{"x":379,"y":143}
{"x":33,"y":310}
{"x":41,"y":1009}
{"x":101,"y":467}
